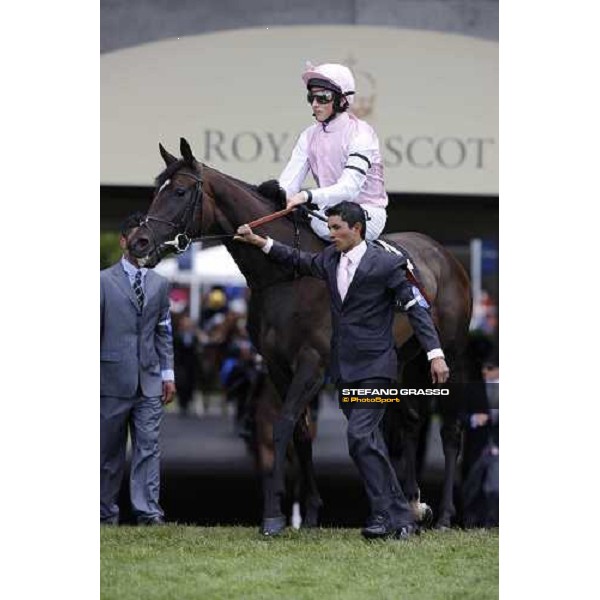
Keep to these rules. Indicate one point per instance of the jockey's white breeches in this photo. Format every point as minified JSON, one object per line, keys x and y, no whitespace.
{"x":376,"y":218}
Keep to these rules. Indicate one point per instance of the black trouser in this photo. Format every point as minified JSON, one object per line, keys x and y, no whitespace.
{"x":370,"y":455}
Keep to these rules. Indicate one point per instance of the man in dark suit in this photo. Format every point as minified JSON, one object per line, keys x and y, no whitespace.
{"x":365,"y":283}
{"x":136,"y":379}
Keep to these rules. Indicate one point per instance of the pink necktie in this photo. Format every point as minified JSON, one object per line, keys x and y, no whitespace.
{"x":344,"y":276}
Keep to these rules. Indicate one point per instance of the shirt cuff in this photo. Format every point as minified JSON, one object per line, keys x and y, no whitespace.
{"x":267,"y":247}
{"x":435,"y":353}
{"x":168,"y":375}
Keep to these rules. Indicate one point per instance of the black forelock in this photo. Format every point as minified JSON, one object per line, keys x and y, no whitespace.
{"x":170,"y":171}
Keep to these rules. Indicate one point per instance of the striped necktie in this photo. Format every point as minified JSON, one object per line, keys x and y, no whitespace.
{"x":138,"y":290}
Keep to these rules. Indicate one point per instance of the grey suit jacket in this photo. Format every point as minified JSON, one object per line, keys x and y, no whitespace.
{"x":362,"y":342}
{"x":134,"y":347}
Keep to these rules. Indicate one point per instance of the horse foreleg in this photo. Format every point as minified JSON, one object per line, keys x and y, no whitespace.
{"x":306,"y":382}
{"x":295,"y":485}
{"x":267,"y":407}
{"x":451,"y":432}
{"x":413,"y":421}
{"x":266,"y":460}
{"x":266,"y":414}
{"x":412,"y":417}
{"x":303,"y":443}
{"x":273,"y":518}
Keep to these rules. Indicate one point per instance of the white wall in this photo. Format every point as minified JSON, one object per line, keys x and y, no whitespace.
{"x":238,"y":98}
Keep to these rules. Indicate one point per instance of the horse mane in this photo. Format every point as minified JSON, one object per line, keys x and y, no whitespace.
{"x":271,"y":194}
{"x":269,"y":191}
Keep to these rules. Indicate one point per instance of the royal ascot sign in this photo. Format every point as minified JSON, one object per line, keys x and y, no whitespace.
{"x":421,"y":152}
{"x":239,"y":100}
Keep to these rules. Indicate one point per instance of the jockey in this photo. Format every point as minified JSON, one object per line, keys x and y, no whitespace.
{"x":341,"y":152}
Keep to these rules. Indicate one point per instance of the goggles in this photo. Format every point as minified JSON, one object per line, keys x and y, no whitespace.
{"x":321,"y":97}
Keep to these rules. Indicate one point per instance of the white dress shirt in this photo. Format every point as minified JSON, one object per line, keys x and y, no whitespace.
{"x":131,"y":271}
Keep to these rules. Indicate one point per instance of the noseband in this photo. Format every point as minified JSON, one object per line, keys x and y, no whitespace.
{"x":181,"y":241}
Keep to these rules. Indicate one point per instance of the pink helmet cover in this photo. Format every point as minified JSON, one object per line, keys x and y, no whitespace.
{"x":339,"y":75}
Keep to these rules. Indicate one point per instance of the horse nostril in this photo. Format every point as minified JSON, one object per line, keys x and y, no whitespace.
{"x":141,"y":244}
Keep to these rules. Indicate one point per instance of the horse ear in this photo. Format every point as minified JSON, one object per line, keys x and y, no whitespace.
{"x":186,"y":151}
{"x":168,"y":158}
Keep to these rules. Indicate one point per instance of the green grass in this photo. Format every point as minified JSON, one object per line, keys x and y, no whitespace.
{"x":183,"y":562}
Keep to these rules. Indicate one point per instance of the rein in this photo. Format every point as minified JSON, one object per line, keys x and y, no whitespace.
{"x":263,"y":221}
{"x":181,"y":242}
{"x":255,"y":223}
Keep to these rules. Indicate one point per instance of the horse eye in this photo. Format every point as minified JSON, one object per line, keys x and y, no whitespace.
{"x":180,"y":191}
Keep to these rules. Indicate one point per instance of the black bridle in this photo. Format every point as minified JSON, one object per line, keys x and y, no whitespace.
{"x":183,"y":228}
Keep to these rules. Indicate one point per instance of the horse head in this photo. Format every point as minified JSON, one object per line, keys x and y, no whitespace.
{"x":195,"y":202}
{"x":172,"y":221}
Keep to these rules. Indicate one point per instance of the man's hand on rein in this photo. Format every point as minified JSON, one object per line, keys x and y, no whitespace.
{"x":245,"y":234}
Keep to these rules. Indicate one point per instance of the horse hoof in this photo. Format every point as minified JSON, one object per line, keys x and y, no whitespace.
{"x":311,"y":518}
{"x":310,"y":523}
{"x":422,"y":513}
{"x":272,"y":526}
{"x":426,"y":519}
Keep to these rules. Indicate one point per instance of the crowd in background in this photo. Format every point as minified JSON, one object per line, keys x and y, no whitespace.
{"x":215,"y":355}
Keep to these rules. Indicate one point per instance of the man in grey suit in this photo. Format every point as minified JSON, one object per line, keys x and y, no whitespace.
{"x":365,"y":284}
{"x":136,"y":379}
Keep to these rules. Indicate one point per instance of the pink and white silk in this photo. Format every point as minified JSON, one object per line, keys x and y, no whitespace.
{"x":344,"y":159}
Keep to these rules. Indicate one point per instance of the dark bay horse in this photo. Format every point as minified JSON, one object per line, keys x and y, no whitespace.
{"x":289,"y":316}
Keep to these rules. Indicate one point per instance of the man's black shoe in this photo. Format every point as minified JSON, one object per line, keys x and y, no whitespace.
{"x":407,"y":531}
{"x":379,"y":527}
